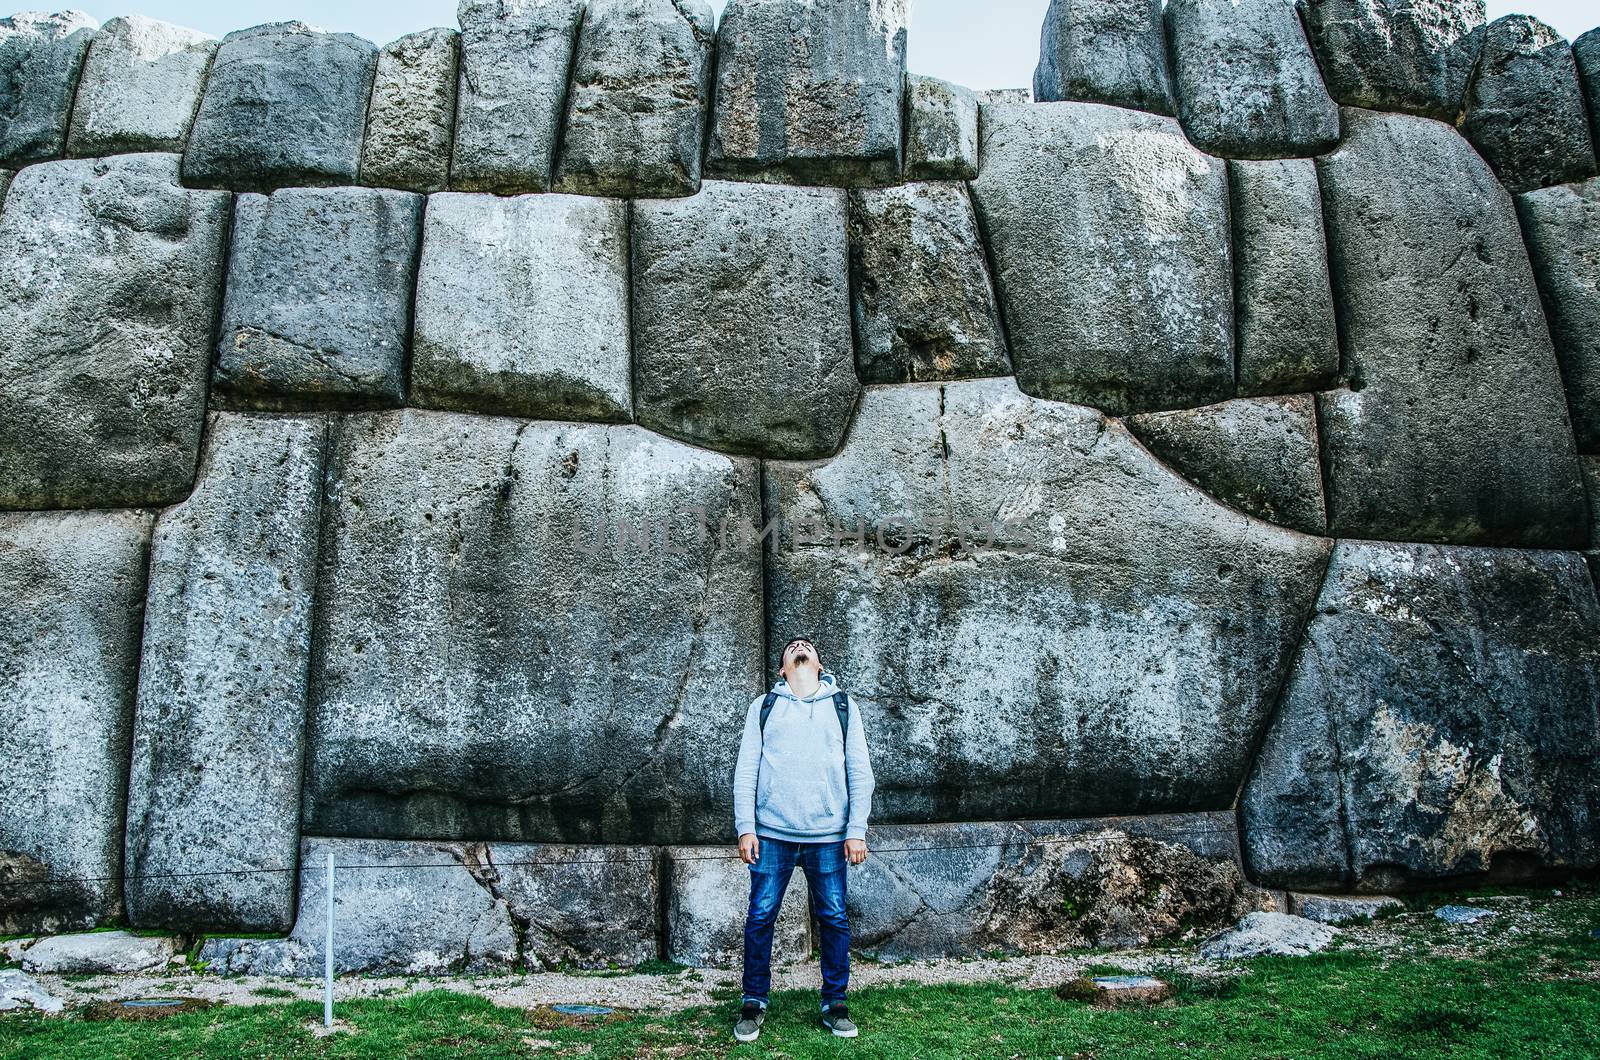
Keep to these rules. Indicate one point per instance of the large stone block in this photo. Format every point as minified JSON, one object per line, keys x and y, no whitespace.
{"x":285,"y":105}
{"x":1105,"y":51}
{"x":636,"y":112}
{"x":1441,"y":722}
{"x":1562,"y":228}
{"x":522,"y":307}
{"x":1247,"y":83}
{"x":41,"y":59}
{"x":708,"y":895}
{"x":1406,"y":55}
{"x":1524,"y":109}
{"x":1454,"y":428}
{"x":318,"y":306}
{"x":109,"y":280}
{"x":741,"y":319}
{"x":924,"y":305}
{"x":1110,"y":242}
{"x":411,"y":118}
{"x":1283,"y":302}
{"x":69,"y":656}
{"x":941,"y":130}
{"x":515,"y":56}
{"x":1586,"y":53}
{"x":218,"y":731}
{"x":1040,"y":886}
{"x":810,"y":92}
{"x":1257,"y":454}
{"x":140,"y":87}
{"x":1109,"y":638}
{"x":440,"y":908}
{"x":498,"y":653}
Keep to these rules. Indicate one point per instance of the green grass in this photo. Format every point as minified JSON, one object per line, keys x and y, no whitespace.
{"x":1525,"y":996}
{"x":1337,"y":1005}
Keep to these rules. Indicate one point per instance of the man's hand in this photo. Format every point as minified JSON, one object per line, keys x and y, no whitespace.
{"x":749,"y":848}
{"x":855,"y":850}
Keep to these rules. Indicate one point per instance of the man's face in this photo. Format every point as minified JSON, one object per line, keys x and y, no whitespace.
{"x":799,"y":653}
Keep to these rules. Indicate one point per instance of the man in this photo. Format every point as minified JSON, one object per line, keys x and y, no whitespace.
{"x":801,"y":795}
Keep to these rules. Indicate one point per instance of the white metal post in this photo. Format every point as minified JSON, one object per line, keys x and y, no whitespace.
{"x":327,"y":955}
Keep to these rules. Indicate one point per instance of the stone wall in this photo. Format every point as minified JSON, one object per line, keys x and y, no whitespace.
{"x":418,"y":453}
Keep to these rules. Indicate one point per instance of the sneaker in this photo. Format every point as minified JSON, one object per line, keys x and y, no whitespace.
{"x":837,"y":1019}
{"x":748,"y":1029}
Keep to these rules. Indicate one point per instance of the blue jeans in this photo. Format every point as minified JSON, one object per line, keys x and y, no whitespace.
{"x":824,"y":866}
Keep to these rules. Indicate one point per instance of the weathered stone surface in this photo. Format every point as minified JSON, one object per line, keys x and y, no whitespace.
{"x":1457,"y":915}
{"x":140,"y":87}
{"x":69,"y":651}
{"x":1098,"y":553}
{"x":285,"y":104}
{"x":1110,"y":242}
{"x":1039,"y":886}
{"x":941,"y":130}
{"x":497,"y":655}
{"x":1560,"y":226}
{"x":109,"y":279}
{"x":411,"y":118}
{"x":282,"y":958}
{"x":1246,"y":81}
{"x":1524,"y":108}
{"x":636,"y":112}
{"x":1269,"y":935}
{"x":318,"y":306}
{"x":810,"y":92}
{"x":1258,"y":454}
{"x":991,"y":96}
{"x":1454,"y":428}
{"x":41,"y":57}
{"x":514,"y":62}
{"x":1338,"y":909}
{"x":1105,"y":51}
{"x":101,"y":953}
{"x":741,"y":319}
{"x":924,"y":305}
{"x":1591,"y":476}
{"x":215,"y":782}
{"x":1442,"y":718}
{"x":1407,"y":55}
{"x":18,"y":991}
{"x":432,"y":908}
{"x":522,"y":307}
{"x":5,"y":184}
{"x":11,"y":949}
{"x":708,"y":894}
{"x":1586,"y":54}
{"x":1287,"y":338}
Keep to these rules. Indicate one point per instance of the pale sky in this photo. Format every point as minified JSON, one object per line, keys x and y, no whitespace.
{"x":977,"y":43}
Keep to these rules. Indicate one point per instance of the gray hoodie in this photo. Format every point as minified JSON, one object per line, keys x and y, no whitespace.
{"x":802,"y":780}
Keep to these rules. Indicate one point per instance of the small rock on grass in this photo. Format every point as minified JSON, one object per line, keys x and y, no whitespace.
{"x":1112,"y":991}
{"x":18,"y":991}
{"x":1462,"y":914}
{"x":1269,"y":935}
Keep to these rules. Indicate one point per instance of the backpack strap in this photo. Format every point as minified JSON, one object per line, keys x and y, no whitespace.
{"x":841,"y":707}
